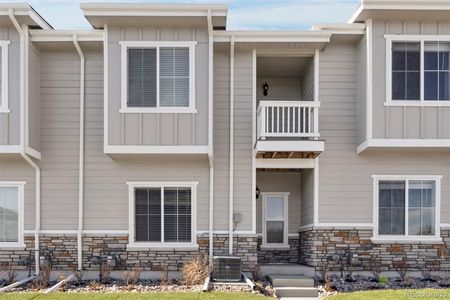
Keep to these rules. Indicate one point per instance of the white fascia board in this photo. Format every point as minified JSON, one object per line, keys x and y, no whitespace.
{"x":398,"y":5}
{"x":341,"y":28}
{"x":403,"y":143}
{"x":10,"y":149}
{"x":122,"y":9}
{"x":284,"y":163}
{"x":23,"y":9}
{"x":273,"y":36}
{"x":289,"y":146}
{"x":110,"y":149}
{"x":66,"y":35}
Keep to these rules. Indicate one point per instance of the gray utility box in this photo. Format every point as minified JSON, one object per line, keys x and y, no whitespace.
{"x":227,"y":268}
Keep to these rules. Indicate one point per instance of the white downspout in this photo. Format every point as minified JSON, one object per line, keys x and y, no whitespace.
{"x":231,"y":191}
{"x":23,"y":100}
{"x":81,"y":158}
{"x":210,"y":136}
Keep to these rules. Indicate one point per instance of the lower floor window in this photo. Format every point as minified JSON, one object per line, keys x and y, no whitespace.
{"x":10,"y":203}
{"x":275,"y":218}
{"x":407,"y":207}
{"x":163,"y":214}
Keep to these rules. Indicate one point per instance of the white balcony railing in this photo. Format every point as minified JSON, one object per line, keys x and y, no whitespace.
{"x":288,"y":119}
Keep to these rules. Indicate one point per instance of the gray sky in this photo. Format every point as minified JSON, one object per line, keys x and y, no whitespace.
{"x":243,"y":14}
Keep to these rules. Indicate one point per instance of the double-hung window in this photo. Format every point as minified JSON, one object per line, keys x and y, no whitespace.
{"x":275,"y":220}
{"x":406,"y":207}
{"x":11,"y":213}
{"x":158,"y":76}
{"x":418,"y":70}
{"x":162,"y":214}
{"x":4,"y":108}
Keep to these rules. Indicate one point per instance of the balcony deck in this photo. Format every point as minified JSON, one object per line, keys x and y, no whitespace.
{"x":288,"y":129}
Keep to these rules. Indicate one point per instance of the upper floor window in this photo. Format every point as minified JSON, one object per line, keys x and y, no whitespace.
{"x":418,"y":70}
{"x":407,"y":206}
{"x":4,"y":107}
{"x":158,"y":76}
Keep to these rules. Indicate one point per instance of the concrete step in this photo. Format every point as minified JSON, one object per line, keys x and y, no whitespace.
{"x":291,"y":280}
{"x":287,"y":269}
{"x":296,"y":292}
{"x":299,"y":298}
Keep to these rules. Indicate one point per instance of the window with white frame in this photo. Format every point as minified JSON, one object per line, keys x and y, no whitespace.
{"x":162,"y":213}
{"x":4,"y":76}
{"x":407,"y":206}
{"x":11,"y":206}
{"x":418,"y":69}
{"x":275,"y":219}
{"x":158,"y":76}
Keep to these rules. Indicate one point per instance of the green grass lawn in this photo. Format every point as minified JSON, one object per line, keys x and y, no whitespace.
{"x":422,"y":294}
{"x":132,"y":296}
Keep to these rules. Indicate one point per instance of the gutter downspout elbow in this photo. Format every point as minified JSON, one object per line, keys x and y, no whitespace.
{"x":23,"y":101}
{"x":81,"y":157}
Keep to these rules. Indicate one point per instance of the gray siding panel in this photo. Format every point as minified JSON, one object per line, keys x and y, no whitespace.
{"x":361,"y":89}
{"x":34,"y":98}
{"x":10,"y":122}
{"x":165,"y":129}
{"x":307,"y":197}
{"x":404,"y":122}
{"x":281,"y":182}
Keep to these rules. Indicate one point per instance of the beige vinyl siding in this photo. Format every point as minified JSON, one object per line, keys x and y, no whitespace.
{"x":16,"y":169}
{"x":284,"y":89}
{"x":361,"y":78}
{"x":10,"y":122}
{"x":153,"y":128}
{"x":243,"y":192}
{"x":60,"y":73}
{"x":308,"y":82}
{"x":34,"y":124}
{"x":404,"y":122}
{"x":345,"y":183}
{"x":281,"y":182}
{"x":307,"y":197}
{"x":221,"y":138}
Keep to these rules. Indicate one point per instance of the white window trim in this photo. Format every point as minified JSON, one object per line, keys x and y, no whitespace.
{"x":4,"y":103}
{"x":406,"y":238}
{"x":285,"y":244}
{"x":20,"y":244}
{"x":133,"y":245}
{"x":157,"y":44}
{"x":411,"y":38}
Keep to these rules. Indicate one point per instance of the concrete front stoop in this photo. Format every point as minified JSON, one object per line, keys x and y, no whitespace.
{"x":290,"y":287}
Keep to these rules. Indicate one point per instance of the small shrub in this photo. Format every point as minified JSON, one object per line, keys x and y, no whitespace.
{"x":105,"y":273}
{"x":323,"y":272}
{"x":11,"y":274}
{"x":256,"y":274}
{"x":164,"y":278}
{"x":375,"y":267}
{"x":195,"y":271}
{"x":78,"y":275}
{"x":383,"y":280}
{"x":134,"y":275}
{"x":43,"y":278}
{"x":401,"y":267}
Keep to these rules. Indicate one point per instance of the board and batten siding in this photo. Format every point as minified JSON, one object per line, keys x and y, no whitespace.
{"x":168,"y":129}
{"x":10,"y":122}
{"x":405,"y":122}
{"x":34,"y":124}
{"x":345,"y":182}
{"x":281,"y":182}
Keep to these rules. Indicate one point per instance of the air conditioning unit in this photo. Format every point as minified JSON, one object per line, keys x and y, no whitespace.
{"x":226,"y":268}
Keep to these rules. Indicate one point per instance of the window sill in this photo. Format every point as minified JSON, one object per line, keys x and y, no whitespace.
{"x":162,"y":247}
{"x":275,"y":247}
{"x":406,"y":240}
{"x":12,"y":247}
{"x":400,"y":103}
{"x":143,"y":110}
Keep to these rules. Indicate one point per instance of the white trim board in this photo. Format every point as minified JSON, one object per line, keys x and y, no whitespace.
{"x":135,"y":149}
{"x":4,"y":101}
{"x":284,"y":219}
{"x":289,"y":146}
{"x":284,"y":163}
{"x":403,"y":143}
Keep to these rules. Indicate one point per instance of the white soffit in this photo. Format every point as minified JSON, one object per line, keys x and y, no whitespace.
{"x":410,"y":9}
{"x":24,"y":13}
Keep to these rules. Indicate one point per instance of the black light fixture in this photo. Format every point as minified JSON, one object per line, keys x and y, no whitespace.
{"x":265,"y":88}
{"x":257,"y":192}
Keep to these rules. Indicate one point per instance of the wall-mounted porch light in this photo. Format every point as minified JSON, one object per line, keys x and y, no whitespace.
{"x":265,"y":88}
